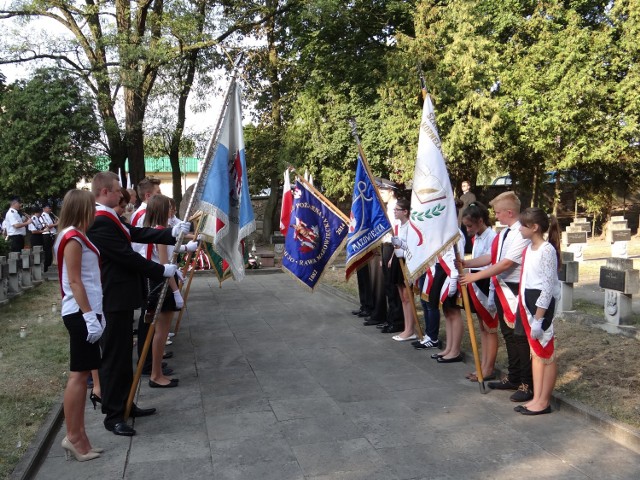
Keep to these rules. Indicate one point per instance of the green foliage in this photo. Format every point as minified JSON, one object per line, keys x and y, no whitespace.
{"x":48,"y":133}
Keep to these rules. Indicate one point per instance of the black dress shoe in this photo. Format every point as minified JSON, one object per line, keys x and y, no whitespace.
{"x":392,"y":329}
{"x":368,"y":322}
{"x":121,"y":428}
{"x":382,"y":325}
{"x":142,"y":412}
{"x":503,"y":384}
{"x":458,"y":358}
{"x":364,"y":313}
{"x":173,"y":383}
{"x":356,"y":312}
{"x":526,"y":411}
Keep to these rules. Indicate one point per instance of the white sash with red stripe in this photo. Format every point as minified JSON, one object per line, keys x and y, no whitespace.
{"x":64,"y":237}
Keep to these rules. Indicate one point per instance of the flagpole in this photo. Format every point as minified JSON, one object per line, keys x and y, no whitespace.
{"x":199,"y":185}
{"x":465,"y":293}
{"x":405,"y":274}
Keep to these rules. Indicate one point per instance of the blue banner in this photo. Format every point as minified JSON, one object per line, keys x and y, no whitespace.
{"x":315,"y":235}
{"x":368,"y":220}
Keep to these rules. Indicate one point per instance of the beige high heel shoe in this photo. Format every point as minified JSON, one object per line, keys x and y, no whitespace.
{"x":70,"y":449}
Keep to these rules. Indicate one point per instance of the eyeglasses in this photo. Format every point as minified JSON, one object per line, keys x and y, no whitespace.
{"x":399,"y":209}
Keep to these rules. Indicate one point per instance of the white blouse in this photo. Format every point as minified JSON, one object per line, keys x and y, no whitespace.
{"x":482,"y":244}
{"x":403,"y":234}
{"x":89,"y":275}
{"x":541,"y":273}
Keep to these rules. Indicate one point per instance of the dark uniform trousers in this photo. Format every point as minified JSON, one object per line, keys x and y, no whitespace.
{"x":365,"y":292}
{"x":517,"y":345}
{"x":395,"y":315}
{"x":47,"y":246}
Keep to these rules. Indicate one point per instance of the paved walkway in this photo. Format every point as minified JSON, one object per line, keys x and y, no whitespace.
{"x":277,"y":383}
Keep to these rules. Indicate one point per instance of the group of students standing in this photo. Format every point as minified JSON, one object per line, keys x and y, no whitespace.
{"x":103,"y":281}
{"x":513,"y":286}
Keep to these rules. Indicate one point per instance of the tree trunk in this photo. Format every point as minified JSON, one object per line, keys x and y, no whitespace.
{"x":271,"y":209}
{"x":134,"y":115}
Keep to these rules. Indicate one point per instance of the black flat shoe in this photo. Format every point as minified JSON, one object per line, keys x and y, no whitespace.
{"x":142,"y":412}
{"x":526,"y":411}
{"x":450,"y":360}
{"x":355,"y":312}
{"x":436,"y":356}
{"x":167,"y":355}
{"x":173,"y":383}
{"x":121,"y":429}
{"x":518,"y":408}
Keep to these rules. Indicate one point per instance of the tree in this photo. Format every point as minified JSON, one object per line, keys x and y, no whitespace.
{"x":48,"y":136}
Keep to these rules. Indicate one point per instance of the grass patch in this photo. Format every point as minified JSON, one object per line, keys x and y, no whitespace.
{"x":33,"y":369}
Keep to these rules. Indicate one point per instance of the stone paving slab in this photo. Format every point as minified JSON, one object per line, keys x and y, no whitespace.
{"x":277,"y":383}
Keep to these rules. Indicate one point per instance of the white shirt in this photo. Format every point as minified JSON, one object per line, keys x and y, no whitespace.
{"x":403,"y":234}
{"x":541,"y":273}
{"x":511,"y":248}
{"x":14,"y":218}
{"x":48,"y":220}
{"x":482,"y":245}
{"x":89,"y":275}
{"x":141,"y":248}
{"x":36,"y":224}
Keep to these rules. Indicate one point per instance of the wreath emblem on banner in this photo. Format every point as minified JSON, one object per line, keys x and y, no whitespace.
{"x":428,"y":213}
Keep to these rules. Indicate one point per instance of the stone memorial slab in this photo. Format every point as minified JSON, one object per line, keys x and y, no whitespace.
{"x":277,"y":239}
{"x":569,"y":272}
{"x":621,"y":235}
{"x":569,"y":238}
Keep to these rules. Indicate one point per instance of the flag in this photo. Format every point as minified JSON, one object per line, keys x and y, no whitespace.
{"x":317,"y":231}
{"x":368,"y":221}
{"x":287,"y":202}
{"x":225,"y":193}
{"x":433,"y":220}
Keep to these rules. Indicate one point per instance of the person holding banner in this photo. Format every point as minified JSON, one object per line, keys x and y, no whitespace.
{"x":476,"y":220}
{"x":399,"y":241}
{"x":504,"y":271}
{"x":539,"y":290}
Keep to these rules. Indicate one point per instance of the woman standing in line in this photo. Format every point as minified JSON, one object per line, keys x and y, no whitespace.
{"x":79,"y":273}
{"x":539,"y":289}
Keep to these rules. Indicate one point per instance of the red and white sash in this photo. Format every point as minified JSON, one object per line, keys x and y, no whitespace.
{"x":101,"y":211}
{"x":137,"y":216}
{"x":508,"y":300}
{"x":62,"y":243}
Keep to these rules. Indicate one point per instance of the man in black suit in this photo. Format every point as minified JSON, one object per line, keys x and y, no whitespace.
{"x":121,"y":271}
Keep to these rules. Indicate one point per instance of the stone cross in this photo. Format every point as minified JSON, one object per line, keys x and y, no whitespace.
{"x":620,"y":281}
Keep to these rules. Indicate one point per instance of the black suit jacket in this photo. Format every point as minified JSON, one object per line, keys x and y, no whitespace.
{"x":121,"y":267}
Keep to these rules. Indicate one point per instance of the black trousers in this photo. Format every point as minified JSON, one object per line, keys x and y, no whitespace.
{"x":116,"y":371}
{"x":47,"y":246}
{"x":36,"y":240}
{"x":16,"y":243}
{"x":517,"y":345}
{"x":365,"y":292}
{"x":379,"y":313}
{"x":395,"y":315}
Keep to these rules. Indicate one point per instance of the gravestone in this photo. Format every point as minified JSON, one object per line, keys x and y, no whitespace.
{"x":575,"y":241}
{"x":37,"y":270}
{"x":620,"y":281}
{"x":277,"y":239}
{"x":619,"y":236}
{"x":15,"y":274}
{"x":4,"y":280}
{"x":568,"y":275}
{"x":25,"y":263}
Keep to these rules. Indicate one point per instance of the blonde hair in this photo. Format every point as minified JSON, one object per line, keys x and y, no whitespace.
{"x":78,"y":210}
{"x":509,"y":198}
{"x":103,"y":180}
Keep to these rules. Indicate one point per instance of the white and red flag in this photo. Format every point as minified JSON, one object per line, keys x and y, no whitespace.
{"x":287,"y":204}
{"x":434,"y":221}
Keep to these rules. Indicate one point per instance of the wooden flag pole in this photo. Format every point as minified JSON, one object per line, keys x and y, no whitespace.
{"x":472,"y":332}
{"x":407,"y":283}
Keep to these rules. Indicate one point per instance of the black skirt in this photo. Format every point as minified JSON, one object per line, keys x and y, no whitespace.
{"x":395,"y":272}
{"x":83,"y":356}
{"x":154,"y":287}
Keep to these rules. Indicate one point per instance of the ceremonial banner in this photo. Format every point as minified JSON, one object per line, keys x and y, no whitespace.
{"x":368,"y":221}
{"x":287,"y":203}
{"x":317,"y":231}
{"x":225,"y":194}
{"x":433,"y":221}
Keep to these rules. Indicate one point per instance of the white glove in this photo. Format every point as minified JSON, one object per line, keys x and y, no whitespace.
{"x":180,"y":275}
{"x":181,"y":227}
{"x":178,"y":298}
{"x":536,"y":329}
{"x":453,"y":287}
{"x":191,"y":246}
{"x":170,"y":270}
{"x":397,"y":242}
{"x":94,"y":327}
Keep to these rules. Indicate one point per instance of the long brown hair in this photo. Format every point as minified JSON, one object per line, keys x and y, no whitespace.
{"x":157,"y":211}
{"x":547,"y":223}
{"x":78,"y":209}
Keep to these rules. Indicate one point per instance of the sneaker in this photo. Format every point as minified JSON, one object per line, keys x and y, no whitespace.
{"x":504,"y":384}
{"x":429,"y":344}
{"x":524,"y":394}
